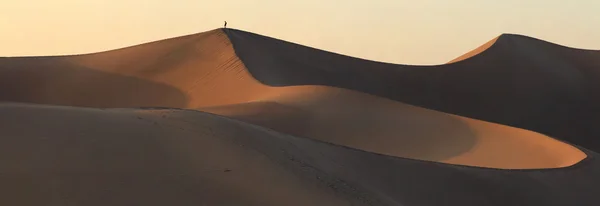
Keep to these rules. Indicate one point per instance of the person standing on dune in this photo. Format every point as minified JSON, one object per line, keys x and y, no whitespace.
{"x":225,"y":26}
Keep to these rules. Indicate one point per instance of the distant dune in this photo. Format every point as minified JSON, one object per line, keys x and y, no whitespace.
{"x":517,"y":81}
{"x":316,"y":127}
{"x":476,"y":51}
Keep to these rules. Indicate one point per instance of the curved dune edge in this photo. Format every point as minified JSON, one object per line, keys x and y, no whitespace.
{"x":554,"y":84}
{"x":470,"y":55}
{"x":378,"y":125}
{"x":209,"y":76}
{"x":475,"y":51}
{"x":189,"y":157}
{"x":486,"y":46}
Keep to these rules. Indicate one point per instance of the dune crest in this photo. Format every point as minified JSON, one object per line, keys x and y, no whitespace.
{"x":205,"y":68}
{"x":518,"y":81}
{"x":228,"y":117}
{"x":476,"y":51}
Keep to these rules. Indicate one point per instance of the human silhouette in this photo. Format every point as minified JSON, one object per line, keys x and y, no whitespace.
{"x":225,"y":26}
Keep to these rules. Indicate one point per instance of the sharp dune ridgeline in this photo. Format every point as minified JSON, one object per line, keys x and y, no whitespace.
{"x":512,"y":80}
{"x":228,"y":117}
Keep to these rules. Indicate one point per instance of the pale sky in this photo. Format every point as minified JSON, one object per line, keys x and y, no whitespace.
{"x":396,"y":31}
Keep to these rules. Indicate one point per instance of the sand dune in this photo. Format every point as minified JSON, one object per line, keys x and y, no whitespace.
{"x":147,"y":157}
{"x":387,"y":127}
{"x":165,"y":157}
{"x":517,"y":81}
{"x":205,"y":69}
{"x":475,"y":51}
{"x":329,"y":129}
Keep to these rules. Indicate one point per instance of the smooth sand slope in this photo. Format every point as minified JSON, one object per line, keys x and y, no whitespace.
{"x":512,"y":80}
{"x":387,"y":127}
{"x":54,"y":155}
{"x":149,"y":157}
{"x":203,"y":72}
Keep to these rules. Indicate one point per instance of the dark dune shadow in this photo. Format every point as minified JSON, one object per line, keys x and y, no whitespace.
{"x":519,"y":81}
{"x":183,"y":161}
{"x":51,"y":80}
{"x":385,"y":129}
{"x":77,"y":156}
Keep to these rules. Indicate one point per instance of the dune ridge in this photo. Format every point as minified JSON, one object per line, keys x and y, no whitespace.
{"x":205,"y":68}
{"x":518,"y":81}
{"x":476,"y":51}
{"x":257,"y":114}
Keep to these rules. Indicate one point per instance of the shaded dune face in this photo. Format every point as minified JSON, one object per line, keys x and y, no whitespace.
{"x":339,"y":103}
{"x":185,"y":157}
{"x":150,"y":157}
{"x":512,"y":80}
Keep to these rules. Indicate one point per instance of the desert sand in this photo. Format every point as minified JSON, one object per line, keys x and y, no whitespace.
{"x":387,"y":127}
{"x":231,"y":116}
{"x":203,"y":71}
{"x":149,"y":157}
{"x":518,"y":81}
